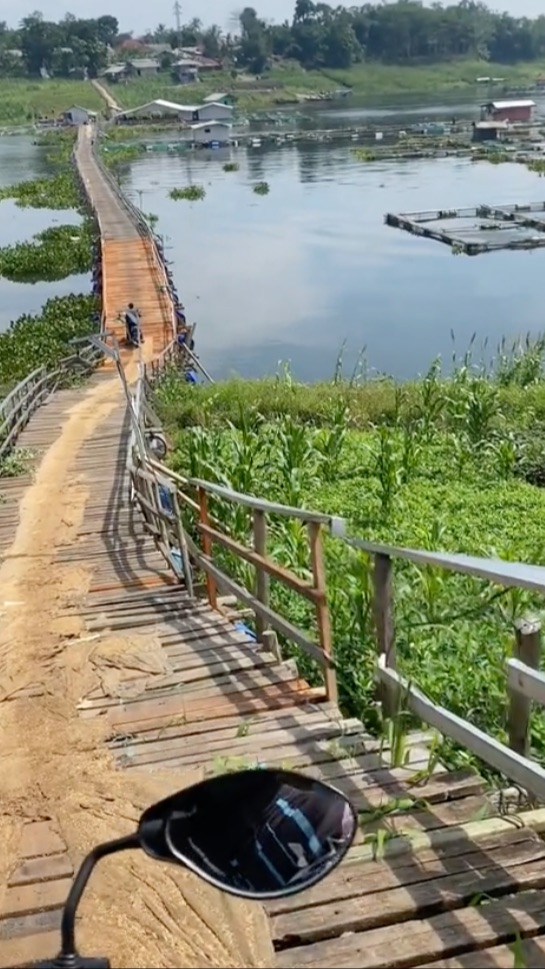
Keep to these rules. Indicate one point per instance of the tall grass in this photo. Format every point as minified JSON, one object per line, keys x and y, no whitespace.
{"x":446,"y":462}
{"x":23,"y":100}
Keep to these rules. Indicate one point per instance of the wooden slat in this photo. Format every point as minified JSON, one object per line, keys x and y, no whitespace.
{"x":41,"y":870}
{"x":520,"y":865}
{"x":421,"y":941}
{"x":37,"y":897}
{"x":18,"y":953}
{"x":40,"y":838}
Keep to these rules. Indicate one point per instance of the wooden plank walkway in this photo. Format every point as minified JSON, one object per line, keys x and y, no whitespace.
{"x":187,"y":689}
{"x":130,"y":273}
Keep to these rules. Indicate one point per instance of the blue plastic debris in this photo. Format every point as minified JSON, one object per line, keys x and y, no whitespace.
{"x":177,"y":560}
{"x":241,"y":627}
{"x":165,"y":499}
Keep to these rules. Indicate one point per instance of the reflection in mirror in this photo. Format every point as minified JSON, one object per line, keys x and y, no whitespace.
{"x":261,"y":833}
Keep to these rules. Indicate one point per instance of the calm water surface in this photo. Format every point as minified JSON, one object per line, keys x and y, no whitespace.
{"x":21,"y":160}
{"x":294,"y":274}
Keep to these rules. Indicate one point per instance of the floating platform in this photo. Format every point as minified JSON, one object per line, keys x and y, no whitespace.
{"x":484,"y":228}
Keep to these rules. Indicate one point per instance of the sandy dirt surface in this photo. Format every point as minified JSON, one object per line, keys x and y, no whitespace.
{"x":55,"y":765}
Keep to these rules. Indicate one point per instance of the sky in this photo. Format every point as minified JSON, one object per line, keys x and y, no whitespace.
{"x":140,"y":17}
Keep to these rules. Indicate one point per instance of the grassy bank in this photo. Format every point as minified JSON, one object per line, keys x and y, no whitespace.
{"x":370,"y":82}
{"x":452,"y":463}
{"x":24,"y":100}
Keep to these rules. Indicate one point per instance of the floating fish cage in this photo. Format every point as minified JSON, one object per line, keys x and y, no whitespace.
{"x":484,"y":228}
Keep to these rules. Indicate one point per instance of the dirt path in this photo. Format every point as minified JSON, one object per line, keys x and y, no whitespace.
{"x":107,"y":97}
{"x":54,"y":765}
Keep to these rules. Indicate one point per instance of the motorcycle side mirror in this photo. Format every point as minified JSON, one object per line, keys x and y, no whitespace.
{"x":257,"y":834}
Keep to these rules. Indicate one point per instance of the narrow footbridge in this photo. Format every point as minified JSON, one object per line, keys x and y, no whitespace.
{"x":441,"y":874}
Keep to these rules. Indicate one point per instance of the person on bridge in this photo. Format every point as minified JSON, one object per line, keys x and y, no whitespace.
{"x":133,"y":327}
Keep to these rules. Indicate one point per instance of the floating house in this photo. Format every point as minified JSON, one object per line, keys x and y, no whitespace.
{"x":488,"y":130}
{"x":511,"y":111}
{"x":208,"y":133}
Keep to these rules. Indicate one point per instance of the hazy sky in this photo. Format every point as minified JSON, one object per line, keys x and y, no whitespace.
{"x":139,"y":16}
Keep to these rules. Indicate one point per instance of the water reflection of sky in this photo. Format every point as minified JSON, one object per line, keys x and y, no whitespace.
{"x":294,"y":274}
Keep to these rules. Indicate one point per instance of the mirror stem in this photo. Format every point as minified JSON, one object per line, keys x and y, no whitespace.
{"x":79,"y":884}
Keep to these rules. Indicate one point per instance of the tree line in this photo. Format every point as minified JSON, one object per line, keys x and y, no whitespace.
{"x":319,"y":36}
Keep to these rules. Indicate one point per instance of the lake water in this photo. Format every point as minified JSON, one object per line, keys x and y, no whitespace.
{"x":21,"y":160}
{"x":295,"y":274}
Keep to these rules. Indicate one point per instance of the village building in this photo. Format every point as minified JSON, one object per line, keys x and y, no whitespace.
{"x":209,"y":133}
{"x":489,"y":130}
{"x":188,"y":113}
{"x":144,"y":66}
{"x":77,"y":115}
{"x":511,"y":111}
{"x":219,"y":98}
{"x":159,"y":109}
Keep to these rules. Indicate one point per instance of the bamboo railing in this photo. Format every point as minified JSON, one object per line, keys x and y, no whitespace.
{"x":18,"y":406}
{"x":524,"y":682}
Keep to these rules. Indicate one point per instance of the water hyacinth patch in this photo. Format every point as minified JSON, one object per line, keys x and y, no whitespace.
{"x":57,"y":192}
{"x":191,"y":193}
{"x":44,"y":339}
{"x":55,"y":253}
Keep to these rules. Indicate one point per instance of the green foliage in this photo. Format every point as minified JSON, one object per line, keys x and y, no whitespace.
{"x":72,"y":47}
{"x":17,"y":462}
{"x":440,"y":463}
{"x":33,"y":341}
{"x":57,"y":192}
{"x":261,"y":188}
{"x":24,"y":101}
{"x":114,"y":155}
{"x":191,"y":193}
{"x":336,"y":37}
{"x":231,"y":167}
{"x":55,"y":253}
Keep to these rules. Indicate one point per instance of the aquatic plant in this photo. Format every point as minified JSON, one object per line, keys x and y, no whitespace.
{"x":192,"y":193}
{"x":59,"y":191}
{"x":117,"y":155}
{"x":261,"y":188}
{"x":443,"y":462}
{"x":231,"y":167}
{"x":55,"y":253}
{"x":44,"y":338}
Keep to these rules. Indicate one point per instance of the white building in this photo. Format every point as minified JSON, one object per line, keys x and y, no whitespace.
{"x":207,"y":132}
{"x":160,"y":109}
{"x":189,"y":113}
{"x":76,"y":115}
{"x":214,"y":111}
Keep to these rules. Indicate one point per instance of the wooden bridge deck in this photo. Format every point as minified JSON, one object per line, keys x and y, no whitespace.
{"x":127,"y":264}
{"x":195,"y":694}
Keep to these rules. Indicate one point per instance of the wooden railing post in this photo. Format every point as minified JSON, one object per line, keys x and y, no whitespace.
{"x":261,"y":578}
{"x":322,"y":610}
{"x":265,"y":634}
{"x":204,"y":519}
{"x":527,"y":649}
{"x":384,"y":625}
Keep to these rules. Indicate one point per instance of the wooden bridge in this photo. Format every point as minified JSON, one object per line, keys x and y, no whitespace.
{"x":104,"y":555}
